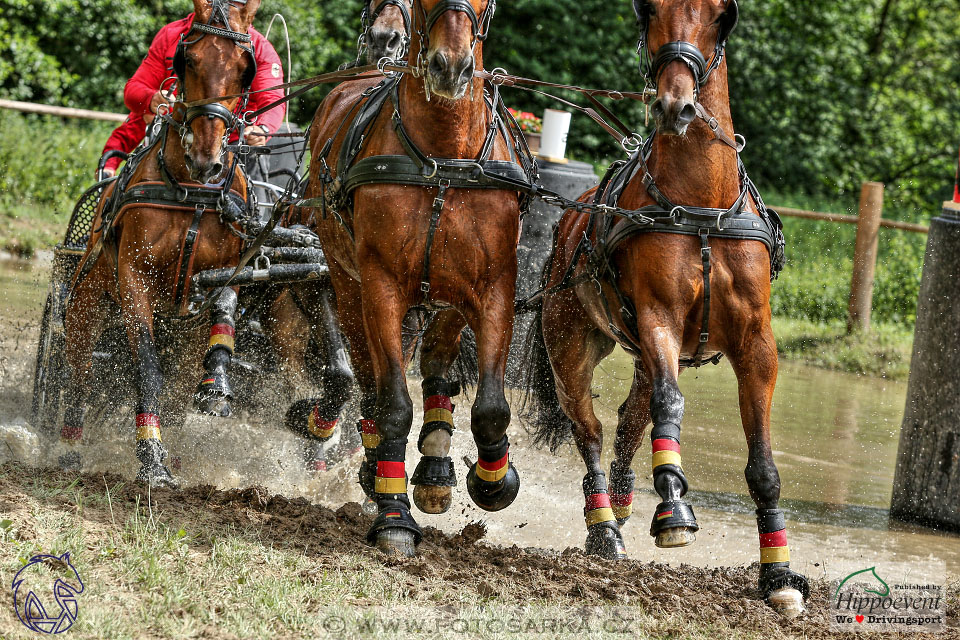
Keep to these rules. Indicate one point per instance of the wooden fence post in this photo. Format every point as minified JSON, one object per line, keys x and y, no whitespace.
{"x":865,"y":257}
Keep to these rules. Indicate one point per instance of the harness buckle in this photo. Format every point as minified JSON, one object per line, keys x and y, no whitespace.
{"x":433,"y":172}
{"x":425,"y":287}
{"x":713,"y":123}
{"x":704,"y":337}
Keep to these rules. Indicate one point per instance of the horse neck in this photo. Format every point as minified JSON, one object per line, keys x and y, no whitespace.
{"x":699,"y":169}
{"x":443,"y":128}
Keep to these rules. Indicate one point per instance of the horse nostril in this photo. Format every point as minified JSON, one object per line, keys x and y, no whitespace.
{"x":395,"y":41}
{"x":215,"y":169}
{"x":438,"y":65}
{"x":466,"y":71}
{"x":687,"y":114}
{"x":657,"y":108}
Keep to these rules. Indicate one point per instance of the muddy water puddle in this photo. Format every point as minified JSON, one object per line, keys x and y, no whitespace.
{"x":835,"y":440}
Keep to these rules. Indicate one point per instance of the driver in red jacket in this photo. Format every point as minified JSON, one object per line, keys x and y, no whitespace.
{"x":143,"y":97}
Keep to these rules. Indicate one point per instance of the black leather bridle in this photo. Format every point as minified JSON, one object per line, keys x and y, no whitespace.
{"x":425,"y":23}
{"x":369,"y":17}
{"x":219,"y":13}
{"x":653,"y":63}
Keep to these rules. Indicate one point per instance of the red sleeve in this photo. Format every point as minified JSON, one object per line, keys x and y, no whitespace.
{"x":155,"y":67}
{"x":269,"y":74}
{"x":125,"y":138}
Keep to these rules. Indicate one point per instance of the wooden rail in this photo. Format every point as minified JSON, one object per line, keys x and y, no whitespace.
{"x":840,"y":217}
{"x":63,"y":112}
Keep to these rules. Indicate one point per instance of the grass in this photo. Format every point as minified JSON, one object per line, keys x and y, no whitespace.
{"x":148,"y":574}
{"x":884,"y":351}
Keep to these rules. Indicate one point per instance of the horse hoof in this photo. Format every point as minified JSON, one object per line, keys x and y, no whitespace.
{"x":157,"y":477}
{"x":70,"y":461}
{"x":675,"y":538}
{"x":211,"y":404}
{"x":396,"y":542}
{"x":369,"y":506}
{"x":493,"y":496}
{"x":787,"y":601}
{"x":432,"y":499}
{"x":604,"y":541}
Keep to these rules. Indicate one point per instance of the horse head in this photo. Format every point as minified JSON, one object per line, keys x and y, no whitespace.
{"x":386,"y":29}
{"x":681,"y":43}
{"x":450,"y":32}
{"x":215,"y":58}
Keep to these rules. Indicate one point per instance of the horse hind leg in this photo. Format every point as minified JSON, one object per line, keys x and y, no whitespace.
{"x":213,"y":394}
{"x":316,"y":419}
{"x":634,"y":415}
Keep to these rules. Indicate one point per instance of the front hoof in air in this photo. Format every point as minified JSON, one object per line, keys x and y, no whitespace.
{"x":788,"y":602}
{"x":432,"y":500}
{"x":493,"y":496}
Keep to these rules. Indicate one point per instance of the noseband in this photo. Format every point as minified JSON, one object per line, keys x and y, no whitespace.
{"x":219,"y":13}
{"x":481,"y":24}
{"x":652,"y":64}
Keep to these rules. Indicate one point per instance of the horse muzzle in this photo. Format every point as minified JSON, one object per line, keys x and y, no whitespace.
{"x":203,"y":170}
{"x":384,"y":43}
{"x":673,"y":116}
{"x":449,"y":78}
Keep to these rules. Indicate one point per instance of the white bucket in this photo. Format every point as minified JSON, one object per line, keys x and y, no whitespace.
{"x":553,"y":140}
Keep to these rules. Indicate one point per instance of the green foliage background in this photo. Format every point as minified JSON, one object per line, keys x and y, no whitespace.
{"x":827,"y":93}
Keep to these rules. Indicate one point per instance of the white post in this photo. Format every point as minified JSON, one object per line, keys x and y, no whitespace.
{"x":553,"y":140}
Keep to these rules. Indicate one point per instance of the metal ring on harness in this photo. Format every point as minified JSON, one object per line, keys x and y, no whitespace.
{"x":632,"y":143}
{"x":675,"y":214}
{"x":498,"y":76}
{"x":384,"y":61}
{"x":436,"y":168}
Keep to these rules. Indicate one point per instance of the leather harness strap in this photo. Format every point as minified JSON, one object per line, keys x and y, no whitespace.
{"x":186,"y":255}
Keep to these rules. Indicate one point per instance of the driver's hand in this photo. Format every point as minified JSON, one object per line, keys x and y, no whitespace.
{"x":256,"y":136}
{"x":108,"y":172}
{"x":159,"y":98}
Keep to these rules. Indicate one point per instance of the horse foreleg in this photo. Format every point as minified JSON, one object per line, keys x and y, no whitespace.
{"x":755,"y":364}
{"x":138,"y":321}
{"x":213,"y":394}
{"x":674,"y":524}
{"x":84,"y":321}
{"x":492,"y":482}
{"x":394,"y":531}
{"x":434,"y":476}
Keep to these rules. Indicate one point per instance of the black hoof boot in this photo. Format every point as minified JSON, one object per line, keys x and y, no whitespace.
{"x":213,"y":395}
{"x":70,"y":461}
{"x":395,"y":532}
{"x":306,"y":419}
{"x":493,"y":496}
{"x":433,"y":477}
{"x":621,"y":492}
{"x":153,"y":472}
{"x":604,"y":541}
{"x":674,"y":524}
{"x":368,"y":473}
{"x":783,"y":589}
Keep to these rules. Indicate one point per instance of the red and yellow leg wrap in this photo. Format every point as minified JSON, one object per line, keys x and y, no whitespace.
{"x":622,"y":504}
{"x":666,"y":451}
{"x":438,"y":408}
{"x":597,"y":509}
{"x":773,"y":547}
{"x":71,"y":434}
{"x":318,"y":426}
{"x":368,"y":434}
{"x":222,"y":335}
{"x":493,"y":471}
{"x":148,"y":426}
{"x":391,"y":477}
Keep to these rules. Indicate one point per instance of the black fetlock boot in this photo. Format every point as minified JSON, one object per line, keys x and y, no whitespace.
{"x":152,"y":454}
{"x":213,"y":394}
{"x":603,"y":534}
{"x":435,"y":475}
{"x":784,"y":589}
{"x":394,"y":532}
{"x":622,"y":481}
{"x":493,"y":482}
{"x":674,"y":524}
{"x":70,"y":435}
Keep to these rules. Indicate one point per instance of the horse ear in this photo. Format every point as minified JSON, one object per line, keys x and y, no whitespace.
{"x":729,"y":20}
{"x":641,"y":9}
{"x":248,"y":12}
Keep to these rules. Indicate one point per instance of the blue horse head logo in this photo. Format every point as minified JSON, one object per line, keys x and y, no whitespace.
{"x":31,"y":610}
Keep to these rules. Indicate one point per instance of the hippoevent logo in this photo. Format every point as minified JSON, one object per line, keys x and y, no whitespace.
{"x":863,"y":601}
{"x":45,"y":593}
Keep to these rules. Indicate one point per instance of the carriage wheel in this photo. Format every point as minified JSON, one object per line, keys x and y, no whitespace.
{"x":49,"y":377}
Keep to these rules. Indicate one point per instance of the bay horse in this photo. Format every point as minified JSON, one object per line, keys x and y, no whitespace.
{"x":159,"y":223}
{"x":386,"y":30}
{"x":678,"y":277}
{"x":418,"y":220}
